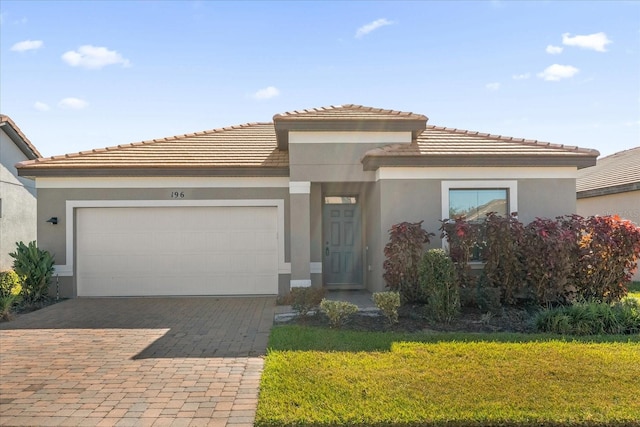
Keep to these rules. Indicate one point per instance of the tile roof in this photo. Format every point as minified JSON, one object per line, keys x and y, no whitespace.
{"x":436,"y":141}
{"x":347,"y":112}
{"x":621,"y":169}
{"x":251,"y":145}
{"x":253,"y":149}
{"x":32,"y":151}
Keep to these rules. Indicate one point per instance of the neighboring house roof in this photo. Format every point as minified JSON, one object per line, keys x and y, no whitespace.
{"x":259,"y":149}
{"x":617,"y":173}
{"x":19,"y":138}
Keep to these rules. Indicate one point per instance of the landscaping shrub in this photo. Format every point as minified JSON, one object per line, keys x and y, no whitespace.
{"x":438,"y":283}
{"x":403,"y":253}
{"x":36,"y":267}
{"x":502,"y":240}
{"x":465,"y":245}
{"x":338,"y":311}
{"x":388,"y":303}
{"x":304,"y":300}
{"x":10,"y":283}
{"x":548,"y":256}
{"x":607,"y":252}
{"x":10,"y":290}
{"x":591,"y":318}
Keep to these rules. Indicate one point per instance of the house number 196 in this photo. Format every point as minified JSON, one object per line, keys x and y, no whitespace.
{"x":177,"y":194}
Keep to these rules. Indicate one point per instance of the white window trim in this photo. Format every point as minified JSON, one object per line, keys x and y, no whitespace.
{"x":511,"y":186}
{"x":72,"y":205}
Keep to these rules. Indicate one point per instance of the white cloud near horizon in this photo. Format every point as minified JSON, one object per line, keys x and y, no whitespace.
{"x":372,"y":26}
{"x":492,"y":86}
{"x":73,"y":104}
{"x":556,"y":72}
{"x":267,"y":93}
{"x":26,"y":45}
{"x":93,"y":57}
{"x":554,"y":50}
{"x":41,"y":106}
{"x":521,"y":76}
{"x":596,"y":41}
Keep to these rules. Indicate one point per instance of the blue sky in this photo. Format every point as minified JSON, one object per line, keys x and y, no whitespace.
{"x":80,"y":75}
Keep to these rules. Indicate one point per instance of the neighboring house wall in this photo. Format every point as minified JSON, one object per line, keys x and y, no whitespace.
{"x":17,"y":202}
{"x":626,"y":205}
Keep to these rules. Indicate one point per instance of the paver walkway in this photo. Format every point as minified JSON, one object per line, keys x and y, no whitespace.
{"x":135,"y":362}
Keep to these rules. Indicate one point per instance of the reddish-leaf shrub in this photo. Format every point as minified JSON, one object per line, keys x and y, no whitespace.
{"x":607,"y":253}
{"x":403,"y":253}
{"x":502,"y":244}
{"x":548,"y":259}
{"x":464,"y":240}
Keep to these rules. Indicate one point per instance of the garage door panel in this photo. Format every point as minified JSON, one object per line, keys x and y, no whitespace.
{"x":177,"y":251}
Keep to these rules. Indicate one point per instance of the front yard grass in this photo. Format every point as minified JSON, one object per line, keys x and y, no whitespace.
{"x":323,"y":377}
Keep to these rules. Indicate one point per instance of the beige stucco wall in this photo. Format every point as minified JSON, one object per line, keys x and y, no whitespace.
{"x":52,"y":202}
{"x":17,"y":202}
{"x":626,"y":205}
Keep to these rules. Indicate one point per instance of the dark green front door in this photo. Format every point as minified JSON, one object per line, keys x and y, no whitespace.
{"x":342,"y":256}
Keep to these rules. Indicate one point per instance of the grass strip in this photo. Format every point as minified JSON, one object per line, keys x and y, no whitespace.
{"x":448,"y":379}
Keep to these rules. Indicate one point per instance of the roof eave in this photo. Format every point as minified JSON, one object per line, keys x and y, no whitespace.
{"x":20,"y":140}
{"x":284,"y":126}
{"x":263,"y":171}
{"x":372,"y":163}
{"x":605,"y":191}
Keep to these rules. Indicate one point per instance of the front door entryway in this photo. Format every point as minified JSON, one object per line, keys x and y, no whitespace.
{"x":342,"y":239}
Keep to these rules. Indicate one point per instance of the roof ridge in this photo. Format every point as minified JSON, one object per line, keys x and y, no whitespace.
{"x":146,"y":142}
{"x":533,"y":142}
{"x":619,"y":153}
{"x":346,"y":106}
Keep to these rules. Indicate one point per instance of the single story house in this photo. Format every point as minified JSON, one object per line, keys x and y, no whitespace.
{"x":17,"y":193}
{"x":259,"y":208}
{"x":611,"y":187}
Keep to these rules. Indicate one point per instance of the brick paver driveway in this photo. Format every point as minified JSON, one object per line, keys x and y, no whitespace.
{"x":135,"y":362}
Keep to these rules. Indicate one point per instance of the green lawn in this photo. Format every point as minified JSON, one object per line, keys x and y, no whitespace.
{"x":321,"y":377}
{"x":634,"y":290}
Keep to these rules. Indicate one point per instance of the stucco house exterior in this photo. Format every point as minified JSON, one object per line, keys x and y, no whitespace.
{"x":611,"y":187}
{"x":17,"y":194}
{"x":305,"y":200}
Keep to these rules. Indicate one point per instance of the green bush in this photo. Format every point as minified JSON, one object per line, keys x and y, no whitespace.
{"x":438,"y":283}
{"x":7,"y":302}
{"x":388,"y":303}
{"x":591,"y":318}
{"x":304,"y":300}
{"x":36,"y":267}
{"x":10,"y":283}
{"x":338,"y":311}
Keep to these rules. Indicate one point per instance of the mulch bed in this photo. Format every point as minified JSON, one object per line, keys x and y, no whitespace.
{"x":413,"y":319}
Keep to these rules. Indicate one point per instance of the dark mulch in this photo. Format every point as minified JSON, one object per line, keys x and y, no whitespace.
{"x":414,"y":319}
{"x":28,"y":308}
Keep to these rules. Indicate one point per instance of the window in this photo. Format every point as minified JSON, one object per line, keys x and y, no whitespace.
{"x":474,"y":204}
{"x":475,"y":199}
{"x":339,"y":200}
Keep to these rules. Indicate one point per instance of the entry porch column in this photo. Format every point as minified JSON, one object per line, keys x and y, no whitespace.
{"x":300,"y":233}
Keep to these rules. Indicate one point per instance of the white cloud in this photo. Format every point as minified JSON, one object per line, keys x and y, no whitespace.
{"x":93,"y":57}
{"x":372,"y":26}
{"x":267,"y":93}
{"x":596,"y":41}
{"x":73,"y":104}
{"x":26,"y":45}
{"x":492,"y":86}
{"x":41,"y":106}
{"x":554,"y":50}
{"x":524,"y":76}
{"x":557,"y":72}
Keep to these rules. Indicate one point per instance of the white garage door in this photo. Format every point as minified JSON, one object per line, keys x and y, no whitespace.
{"x":177,"y":251}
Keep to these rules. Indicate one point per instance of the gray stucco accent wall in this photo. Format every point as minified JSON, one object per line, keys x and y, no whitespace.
{"x":52,"y":202}
{"x":545,"y":198}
